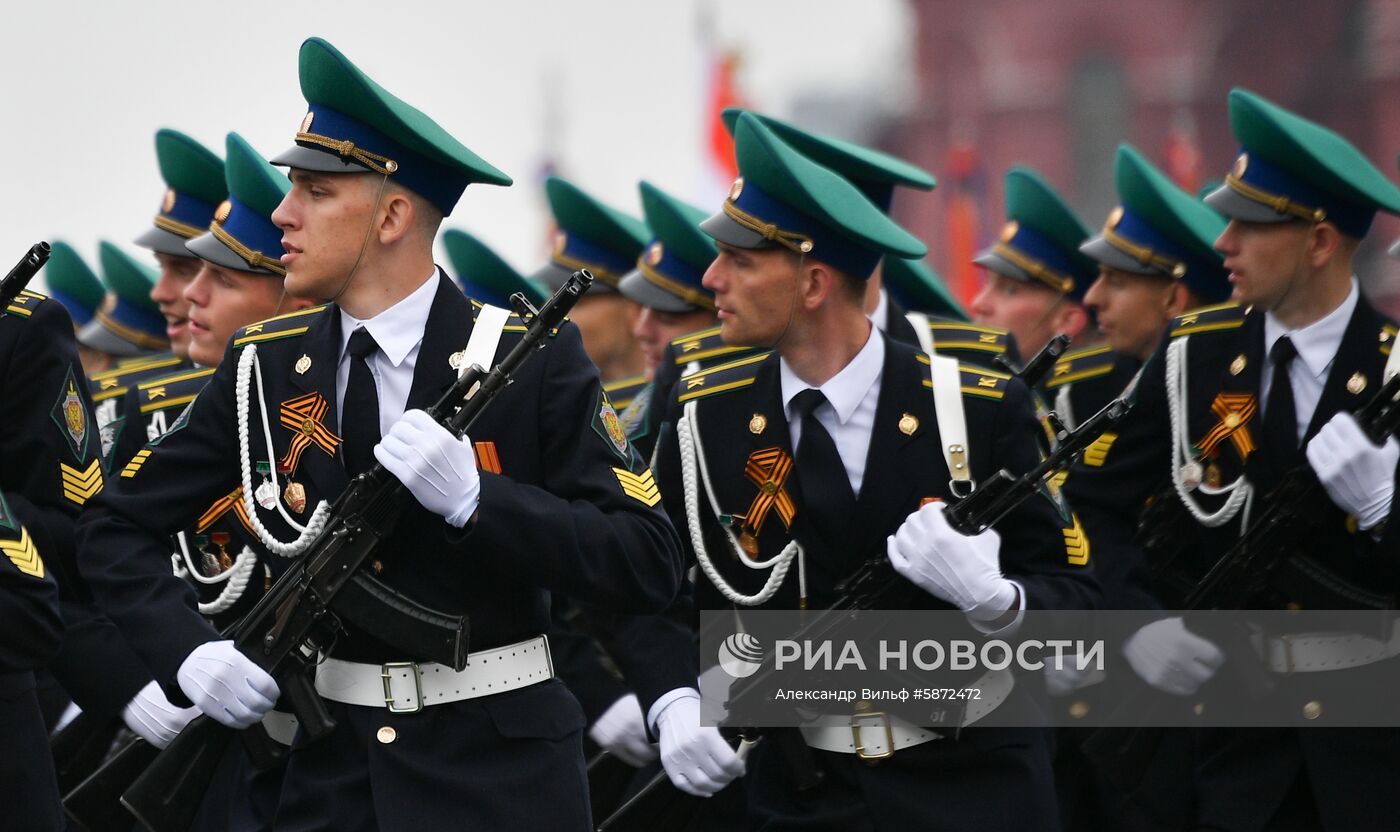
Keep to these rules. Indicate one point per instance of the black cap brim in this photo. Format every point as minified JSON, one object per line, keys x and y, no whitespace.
{"x":165,"y":242}
{"x":635,"y":287}
{"x":208,"y":247}
{"x":1104,"y":253}
{"x":1234,"y":205}
{"x":725,"y":230}
{"x":552,"y":276}
{"x":992,"y":261}
{"x":304,"y":158}
{"x":94,"y":335}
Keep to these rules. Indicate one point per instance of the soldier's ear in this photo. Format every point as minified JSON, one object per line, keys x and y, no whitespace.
{"x":398,"y":217}
{"x":1325,"y":243}
{"x":1178,"y":299}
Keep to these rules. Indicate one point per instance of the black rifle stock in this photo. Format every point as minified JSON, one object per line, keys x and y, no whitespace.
{"x":22,"y":273}
{"x":872,"y":586}
{"x":300,"y":616}
{"x":1034,"y":371}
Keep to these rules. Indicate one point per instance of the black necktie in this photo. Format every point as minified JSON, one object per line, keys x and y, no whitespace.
{"x":359,"y":413}
{"x":826,"y":490}
{"x":1281,"y":417}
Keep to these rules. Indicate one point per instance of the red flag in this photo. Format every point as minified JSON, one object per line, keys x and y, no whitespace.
{"x":723,"y":93}
{"x":962,"y":228}
{"x":1181,"y":155}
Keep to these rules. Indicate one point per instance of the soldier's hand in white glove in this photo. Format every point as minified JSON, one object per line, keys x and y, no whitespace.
{"x":1358,"y":476}
{"x":153,"y":718}
{"x":227,"y":685}
{"x":698,"y":759}
{"x":964,"y":571}
{"x":1171,"y":658}
{"x":622,"y":730}
{"x":438,"y":469}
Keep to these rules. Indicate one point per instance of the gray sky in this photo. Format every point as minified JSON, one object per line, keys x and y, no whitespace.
{"x":85,"y":85}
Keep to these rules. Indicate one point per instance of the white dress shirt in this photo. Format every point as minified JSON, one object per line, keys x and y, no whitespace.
{"x":881,"y":315}
{"x":849,"y":411}
{"x":398,"y":331}
{"x":1317,"y":345}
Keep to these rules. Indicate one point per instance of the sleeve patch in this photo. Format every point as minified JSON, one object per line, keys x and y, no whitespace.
{"x":640,"y":487}
{"x":23,"y":554}
{"x":1097,"y":454}
{"x":609,"y":427}
{"x":1076,"y":544}
{"x":136,"y":462}
{"x":71,"y":416}
{"x":81,"y":484}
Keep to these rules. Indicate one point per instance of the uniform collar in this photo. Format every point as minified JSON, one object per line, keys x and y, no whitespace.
{"x":848,"y":388}
{"x":398,"y":329}
{"x":881,"y":315}
{"x":1318,"y":342}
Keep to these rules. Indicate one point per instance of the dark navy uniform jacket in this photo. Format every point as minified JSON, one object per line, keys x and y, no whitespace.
{"x":1244,"y":775}
{"x":561,"y":508}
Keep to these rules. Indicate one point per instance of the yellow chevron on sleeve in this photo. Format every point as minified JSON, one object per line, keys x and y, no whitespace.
{"x":136,"y":462}
{"x":640,"y":487}
{"x":23,"y":554}
{"x":1097,"y":454}
{"x":1076,"y":544}
{"x":80,"y":485}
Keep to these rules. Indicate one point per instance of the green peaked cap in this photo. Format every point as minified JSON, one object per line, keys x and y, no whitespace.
{"x":243,"y":236}
{"x":784,"y":198}
{"x":669,"y":271}
{"x":1159,"y":229}
{"x":590,"y":235}
{"x":346,"y":106}
{"x":918,"y":288}
{"x":875,"y":173}
{"x":1040,"y":241}
{"x":1291,"y":168}
{"x":128,"y":322}
{"x":484,"y":275}
{"x":194,"y":181}
{"x":72,"y":283}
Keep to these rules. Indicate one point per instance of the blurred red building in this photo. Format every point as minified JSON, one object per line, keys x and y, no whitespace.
{"x":1057,"y":84}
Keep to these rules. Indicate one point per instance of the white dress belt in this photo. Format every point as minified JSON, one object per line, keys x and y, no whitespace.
{"x":1320,"y":652}
{"x":408,"y":687}
{"x":874,"y":735}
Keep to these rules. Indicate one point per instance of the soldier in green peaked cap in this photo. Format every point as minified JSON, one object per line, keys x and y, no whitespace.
{"x":75,"y":285}
{"x":591,"y":235}
{"x":1239,"y":399}
{"x":484,"y":275}
{"x":1036,"y":275}
{"x":846,"y":408}
{"x":128,"y":323}
{"x":545,"y":488}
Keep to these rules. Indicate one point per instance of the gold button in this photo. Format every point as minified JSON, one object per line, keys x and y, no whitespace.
{"x":1293,"y":606}
{"x":386,"y":735}
{"x":1312,"y":710}
{"x":377,"y":566}
{"x":1079,"y":709}
{"x":1199,"y":708}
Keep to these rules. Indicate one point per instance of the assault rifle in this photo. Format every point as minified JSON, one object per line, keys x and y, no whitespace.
{"x":300,"y":616}
{"x":1034,"y":371}
{"x":22,"y":273}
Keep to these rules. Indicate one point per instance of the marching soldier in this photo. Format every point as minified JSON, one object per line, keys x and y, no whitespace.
{"x":1156,"y":261}
{"x":607,"y":242}
{"x":543,"y":497}
{"x":72,"y":283}
{"x":32,"y":628}
{"x":847,"y":404}
{"x":1236,"y":397}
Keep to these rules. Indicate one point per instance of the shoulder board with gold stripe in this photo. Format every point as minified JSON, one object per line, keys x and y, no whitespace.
{"x":1387,"y":338}
{"x":624,"y":390}
{"x":1224,"y":316}
{"x":705,"y":346}
{"x":1081,"y":364}
{"x":25,"y":303}
{"x":177,"y":390}
{"x":514,"y":323}
{"x":721,"y":378}
{"x":976,"y":381}
{"x":960,"y":336}
{"x":275,"y":329}
{"x":117,"y":381}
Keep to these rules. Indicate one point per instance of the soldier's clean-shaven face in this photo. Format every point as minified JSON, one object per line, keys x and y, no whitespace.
{"x":324,"y":220}
{"x":1026,"y":310}
{"x":654,"y":329}
{"x":755,"y":293}
{"x":1265,"y":260}
{"x":222,"y":301}
{"x":168,"y":294}
{"x":1132,"y":310}
{"x":605,"y":322}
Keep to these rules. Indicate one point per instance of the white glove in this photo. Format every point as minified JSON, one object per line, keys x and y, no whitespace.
{"x":226,"y":685}
{"x":1062,"y":681}
{"x":622,"y":730}
{"x":1171,"y":658}
{"x":964,"y":571}
{"x":1358,"y":476}
{"x":152,"y":716}
{"x":698,"y":759}
{"x":438,"y":468}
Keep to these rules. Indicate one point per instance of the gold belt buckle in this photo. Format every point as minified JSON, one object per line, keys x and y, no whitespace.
{"x":389,"y":684}
{"x":856,"y":725}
